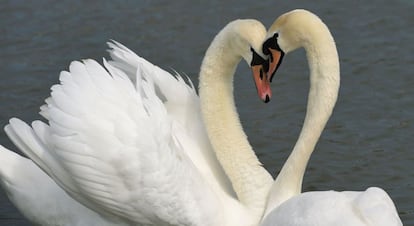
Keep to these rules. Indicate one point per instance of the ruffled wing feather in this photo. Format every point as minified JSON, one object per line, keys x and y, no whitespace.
{"x":112,"y":145}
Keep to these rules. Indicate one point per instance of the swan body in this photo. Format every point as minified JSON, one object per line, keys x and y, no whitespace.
{"x":286,"y":204}
{"x":370,"y":207}
{"x":128,"y":141}
{"x":39,"y":198}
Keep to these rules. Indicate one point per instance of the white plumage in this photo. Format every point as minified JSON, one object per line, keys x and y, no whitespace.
{"x":370,"y":207}
{"x":39,"y":198}
{"x":137,"y":145}
{"x":114,"y":146}
{"x":128,"y":141}
{"x":287,"y":205}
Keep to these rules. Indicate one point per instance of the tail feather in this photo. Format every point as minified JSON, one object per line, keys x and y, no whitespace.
{"x":31,"y":145}
{"x":24,"y":138}
{"x":8,"y":161}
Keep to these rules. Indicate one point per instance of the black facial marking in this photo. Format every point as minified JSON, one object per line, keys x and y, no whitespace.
{"x":271,"y":43}
{"x":256,"y":59}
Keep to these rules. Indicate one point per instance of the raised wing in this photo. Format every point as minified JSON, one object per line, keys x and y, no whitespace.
{"x":182,"y":104}
{"x":115,"y":147}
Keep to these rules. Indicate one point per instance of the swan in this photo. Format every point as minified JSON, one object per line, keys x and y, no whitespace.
{"x":39,"y":198}
{"x":134,"y":143}
{"x":286,"y":205}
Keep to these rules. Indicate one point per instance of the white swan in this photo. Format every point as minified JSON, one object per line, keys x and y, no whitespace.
{"x":286,"y":204}
{"x":139,"y":152}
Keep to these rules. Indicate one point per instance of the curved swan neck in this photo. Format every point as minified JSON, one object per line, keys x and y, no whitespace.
{"x":249,"y":179}
{"x":323,"y":63}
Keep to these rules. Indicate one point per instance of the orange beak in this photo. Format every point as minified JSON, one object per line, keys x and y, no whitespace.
{"x":262,"y":83}
{"x":275,"y":59}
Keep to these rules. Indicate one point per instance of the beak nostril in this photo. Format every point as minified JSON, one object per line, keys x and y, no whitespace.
{"x":261,"y":74}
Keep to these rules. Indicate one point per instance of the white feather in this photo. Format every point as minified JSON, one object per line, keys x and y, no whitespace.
{"x":112,"y":145}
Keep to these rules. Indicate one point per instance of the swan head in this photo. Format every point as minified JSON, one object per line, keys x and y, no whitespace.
{"x":259,"y":68}
{"x":292,"y":30}
{"x":248,"y":44}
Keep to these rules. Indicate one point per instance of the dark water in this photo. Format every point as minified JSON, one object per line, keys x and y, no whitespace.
{"x":368,"y":141}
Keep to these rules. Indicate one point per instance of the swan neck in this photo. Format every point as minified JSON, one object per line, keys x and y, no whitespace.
{"x":324,"y":85}
{"x":250,"y":180}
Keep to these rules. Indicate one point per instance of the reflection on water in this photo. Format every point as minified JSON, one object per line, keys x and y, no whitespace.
{"x":367,"y":142}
